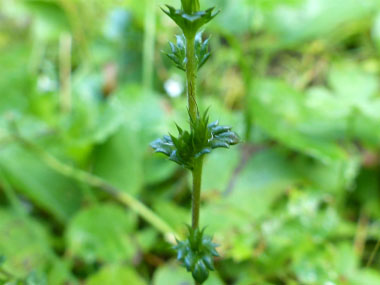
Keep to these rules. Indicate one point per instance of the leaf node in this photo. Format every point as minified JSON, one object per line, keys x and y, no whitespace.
{"x":177,"y":52}
{"x":196,"y":253}
{"x":190,"y":23}
{"x":202,"y":139}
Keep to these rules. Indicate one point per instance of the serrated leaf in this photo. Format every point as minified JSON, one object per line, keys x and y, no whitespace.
{"x":201,"y":139}
{"x":200,"y":272}
{"x":207,"y":259}
{"x":178,"y":51}
{"x":201,"y":50}
{"x":178,"y":276}
{"x":190,"y":23}
{"x":196,"y":253}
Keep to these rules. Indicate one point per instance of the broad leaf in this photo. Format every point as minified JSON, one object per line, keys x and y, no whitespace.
{"x":102,"y":233}
{"x":116,"y":275}
{"x":50,"y":190}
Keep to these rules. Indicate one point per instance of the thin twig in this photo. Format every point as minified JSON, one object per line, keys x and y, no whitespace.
{"x":7,"y":140}
{"x":361,"y":234}
{"x":65,"y":43}
{"x":373,"y":254}
{"x":99,"y":183}
{"x":149,"y":44}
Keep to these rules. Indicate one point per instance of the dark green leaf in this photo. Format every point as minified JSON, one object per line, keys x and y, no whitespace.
{"x":190,"y":23}
{"x":51,"y":191}
{"x":196,"y":253}
{"x":201,"y":140}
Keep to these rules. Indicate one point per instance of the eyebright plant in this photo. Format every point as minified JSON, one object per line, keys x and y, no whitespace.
{"x":188,"y":148}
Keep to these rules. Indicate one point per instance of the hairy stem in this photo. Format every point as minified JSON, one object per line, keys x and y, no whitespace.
{"x":191,"y":75}
{"x":196,"y":195}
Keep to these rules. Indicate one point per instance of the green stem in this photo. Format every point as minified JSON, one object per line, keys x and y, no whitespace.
{"x":99,"y":183}
{"x":373,"y":254}
{"x":196,"y":195}
{"x":191,"y":78}
{"x":6,"y":274}
{"x":65,"y":50}
{"x":149,"y":44}
{"x":191,"y":75}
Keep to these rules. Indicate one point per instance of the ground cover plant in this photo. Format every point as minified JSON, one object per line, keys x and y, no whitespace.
{"x":87,"y":87}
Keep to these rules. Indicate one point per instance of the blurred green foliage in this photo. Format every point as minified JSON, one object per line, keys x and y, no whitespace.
{"x":296,"y":203}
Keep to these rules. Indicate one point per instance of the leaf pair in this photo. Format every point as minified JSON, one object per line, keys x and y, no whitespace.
{"x":202,"y":139}
{"x":178,"y":51}
{"x":190,"y":23}
{"x":196,"y":254}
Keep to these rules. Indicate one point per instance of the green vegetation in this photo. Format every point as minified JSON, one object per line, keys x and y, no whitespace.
{"x":86,"y":88}
{"x":197,"y":252}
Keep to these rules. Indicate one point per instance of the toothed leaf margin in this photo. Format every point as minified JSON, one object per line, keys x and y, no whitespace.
{"x":196,"y":254}
{"x":190,"y":23}
{"x":202,"y":139}
{"x":177,"y":52}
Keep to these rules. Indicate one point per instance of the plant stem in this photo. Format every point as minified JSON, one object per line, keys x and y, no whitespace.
{"x":6,"y":273}
{"x":373,"y":254}
{"x":149,"y":44}
{"x":99,"y":183}
{"x":191,"y":76}
{"x":65,"y":45}
{"x":196,"y":195}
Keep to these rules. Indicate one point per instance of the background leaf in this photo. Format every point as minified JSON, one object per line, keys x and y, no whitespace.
{"x":102,"y":233}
